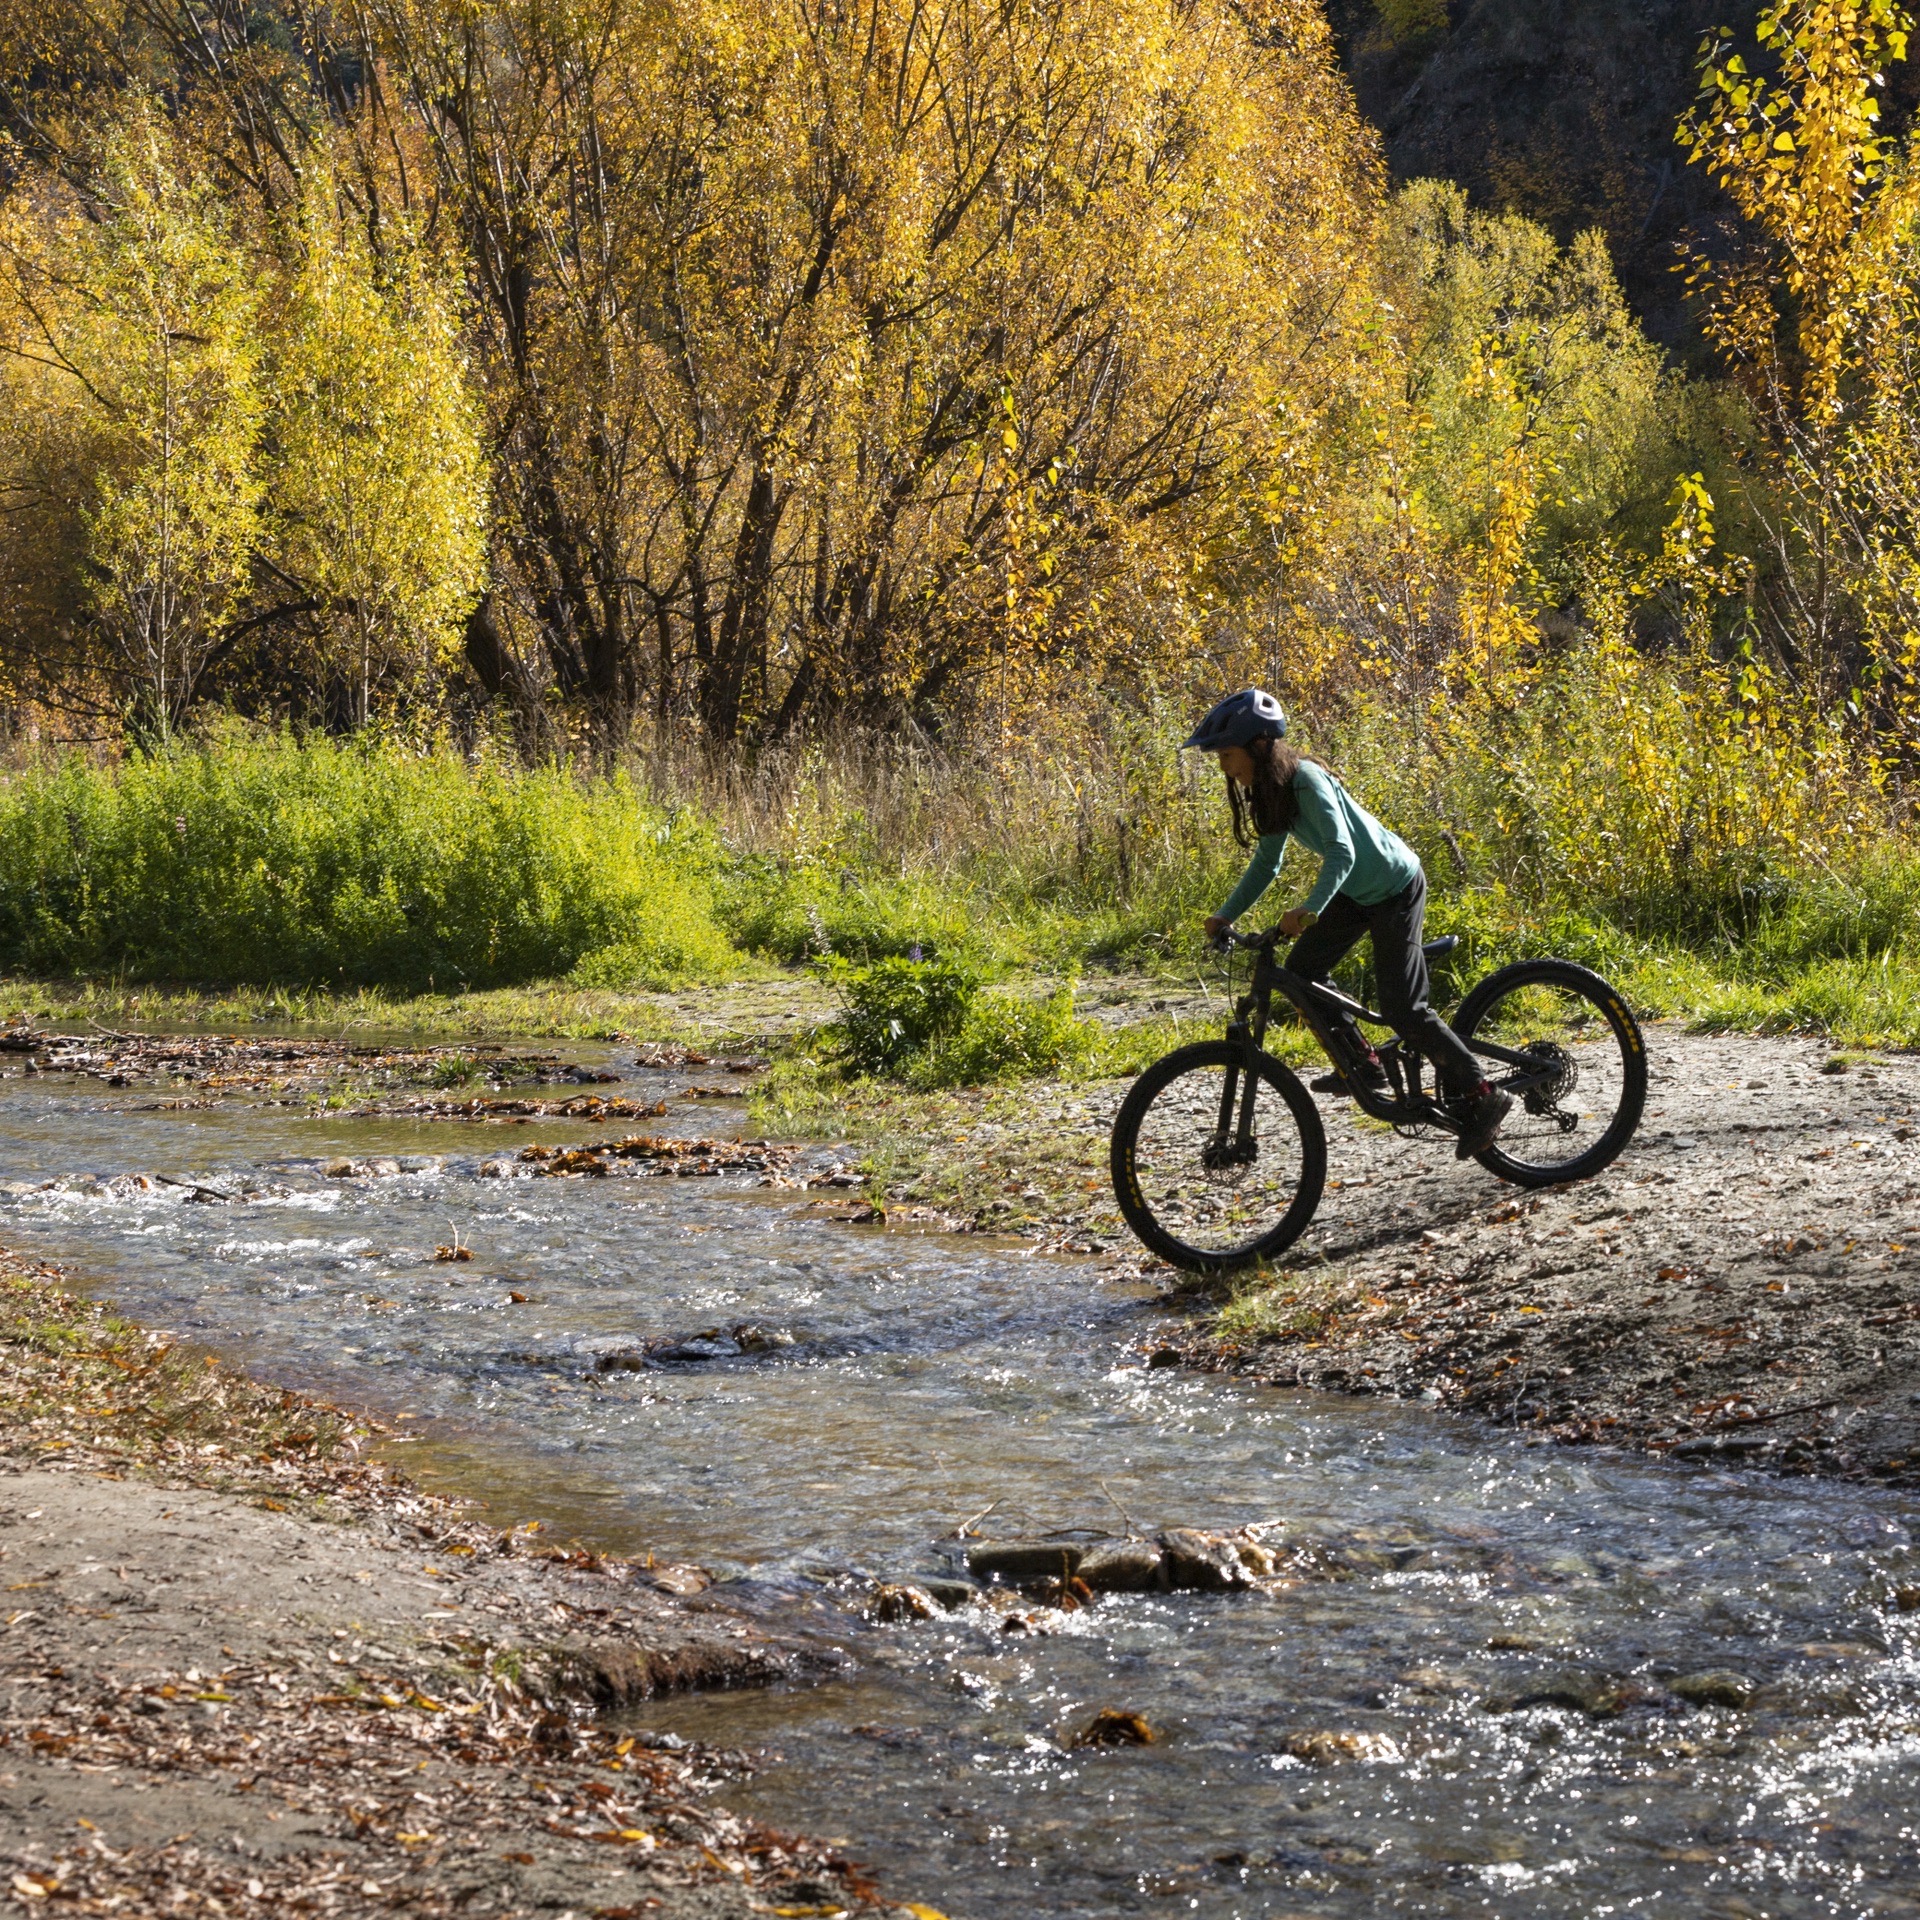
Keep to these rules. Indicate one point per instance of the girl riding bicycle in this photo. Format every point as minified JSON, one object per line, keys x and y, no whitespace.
{"x":1370,"y":882}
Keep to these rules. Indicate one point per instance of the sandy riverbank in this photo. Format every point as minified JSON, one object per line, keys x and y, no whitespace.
{"x":245,"y":1672}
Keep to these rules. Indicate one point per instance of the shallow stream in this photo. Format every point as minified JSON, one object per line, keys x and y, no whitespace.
{"x":1469,"y":1704}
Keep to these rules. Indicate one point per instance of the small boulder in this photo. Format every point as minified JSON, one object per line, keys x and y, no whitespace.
{"x":1203,"y":1562}
{"x":1020,"y":1560}
{"x":1120,"y":1566}
{"x":894,"y":1602}
{"x":1715,"y":1687}
{"x":1110,"y":1727}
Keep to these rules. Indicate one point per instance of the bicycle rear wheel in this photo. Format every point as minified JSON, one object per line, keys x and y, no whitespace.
{"x":1184,"y":1191}
{"x":1573,"y":1121}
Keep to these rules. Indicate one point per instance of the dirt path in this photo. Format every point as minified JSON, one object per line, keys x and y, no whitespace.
{"x":1744,"y":1282}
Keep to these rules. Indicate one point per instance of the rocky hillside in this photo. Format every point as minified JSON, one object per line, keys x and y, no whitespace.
{"x":1563,"y":110}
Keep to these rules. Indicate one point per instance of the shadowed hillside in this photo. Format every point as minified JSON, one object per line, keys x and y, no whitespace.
{"x":1563,"y":110}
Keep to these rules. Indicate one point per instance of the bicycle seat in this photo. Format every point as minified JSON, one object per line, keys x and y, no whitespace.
{"x":1439,"y":949}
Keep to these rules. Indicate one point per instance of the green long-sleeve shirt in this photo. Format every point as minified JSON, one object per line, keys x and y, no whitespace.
{"x":1358,"y":856}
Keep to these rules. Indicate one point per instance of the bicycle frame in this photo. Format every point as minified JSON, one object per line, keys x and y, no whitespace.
{"x":1320,"y":1007}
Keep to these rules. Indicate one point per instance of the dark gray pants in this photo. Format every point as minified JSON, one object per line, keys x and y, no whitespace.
{"x":1400,"y":971}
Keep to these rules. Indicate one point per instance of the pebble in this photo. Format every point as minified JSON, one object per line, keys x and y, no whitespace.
{"x":1323,"y":1747}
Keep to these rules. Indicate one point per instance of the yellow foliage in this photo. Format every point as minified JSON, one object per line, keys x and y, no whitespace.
{"x":377,"y":481}
{"x":132,"y":360}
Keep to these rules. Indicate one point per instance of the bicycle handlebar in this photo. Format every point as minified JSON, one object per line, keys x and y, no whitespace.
{"x":1247,"y":942}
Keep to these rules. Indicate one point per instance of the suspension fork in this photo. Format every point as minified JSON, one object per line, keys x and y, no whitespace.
{"x":1245,"y":1031}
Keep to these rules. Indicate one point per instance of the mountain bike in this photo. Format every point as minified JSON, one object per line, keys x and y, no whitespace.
{"x":1219,"y":1157}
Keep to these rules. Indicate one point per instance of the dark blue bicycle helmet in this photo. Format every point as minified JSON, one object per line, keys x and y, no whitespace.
{"x":1238,"y":720}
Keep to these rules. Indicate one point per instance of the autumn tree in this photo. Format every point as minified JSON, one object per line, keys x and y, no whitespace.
{"x":374,"y":472}
{"x":1814,"y":311}
{"x":831,"y":353}
{"x":132,"y":353}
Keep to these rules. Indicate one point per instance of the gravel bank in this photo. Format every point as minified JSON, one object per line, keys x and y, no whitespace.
{"x":1743,"y":1283}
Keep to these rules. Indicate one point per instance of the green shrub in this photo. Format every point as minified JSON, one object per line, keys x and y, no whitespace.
{"x":794,"y":912}
{"x":271,"y":861}
{"x":1005,"y":1037}
{"x":896,"y":1008}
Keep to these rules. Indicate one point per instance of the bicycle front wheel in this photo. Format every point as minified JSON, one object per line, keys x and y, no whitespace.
{"x":1187,"y":1189}
{"x":1575,"y":1109}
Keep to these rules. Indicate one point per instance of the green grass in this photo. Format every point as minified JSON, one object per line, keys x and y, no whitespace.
{"x":257,"y":880}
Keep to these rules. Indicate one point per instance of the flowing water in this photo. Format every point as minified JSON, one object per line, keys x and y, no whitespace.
{"x":1468,"y":1706}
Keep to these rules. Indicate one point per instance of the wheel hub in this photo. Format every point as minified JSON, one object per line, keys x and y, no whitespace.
{"x":1218,"y":1155}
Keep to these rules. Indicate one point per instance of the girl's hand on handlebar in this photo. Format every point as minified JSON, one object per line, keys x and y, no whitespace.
{"x":1217,"y":928}
{"x":1295,"y":921}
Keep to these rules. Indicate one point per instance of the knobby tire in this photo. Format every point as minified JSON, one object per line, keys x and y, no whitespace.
{"x":1608,"y":1003}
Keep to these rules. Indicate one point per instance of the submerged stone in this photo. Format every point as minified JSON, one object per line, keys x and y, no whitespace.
{"x":689,"y":1352}
{"x":1324,"y":1747}
{"x":947,"y":1592}
{"x":1716,"y":1687}
{"x":1594,"y":1695}
{"x":1024,"y":1560}
{"x":1111,"y":1727}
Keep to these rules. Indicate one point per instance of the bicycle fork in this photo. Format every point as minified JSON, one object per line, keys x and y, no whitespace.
{"x":1233,"y":1144}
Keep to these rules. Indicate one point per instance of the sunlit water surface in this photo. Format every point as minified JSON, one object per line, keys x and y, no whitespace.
{"x":931,"y":1378}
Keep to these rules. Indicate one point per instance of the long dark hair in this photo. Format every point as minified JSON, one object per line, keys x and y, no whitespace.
{"x":1270,"y":805}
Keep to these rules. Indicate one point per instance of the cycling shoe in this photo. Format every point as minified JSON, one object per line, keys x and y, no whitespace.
{"x":1481,"y":1116}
